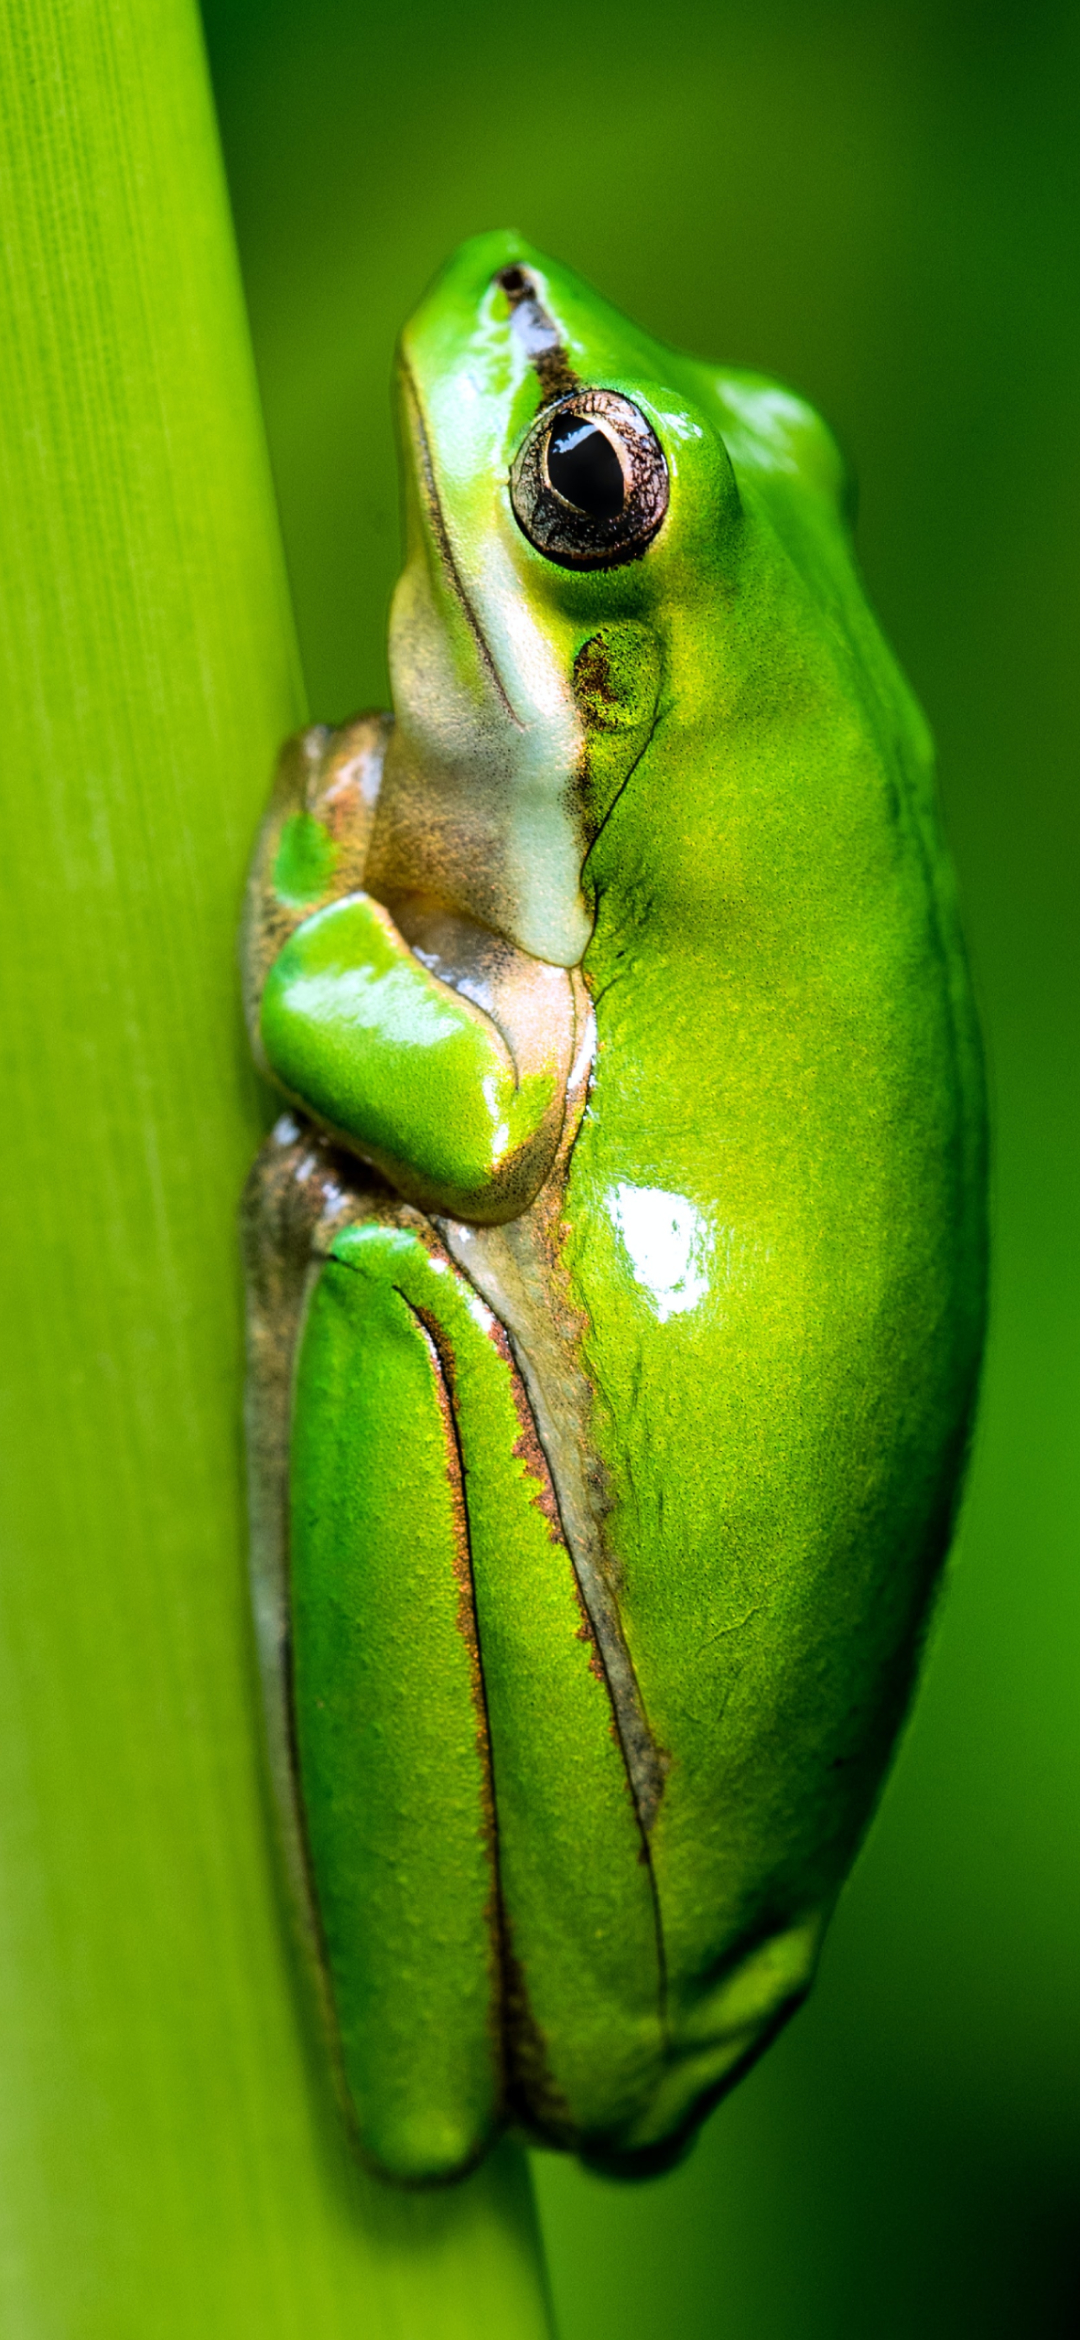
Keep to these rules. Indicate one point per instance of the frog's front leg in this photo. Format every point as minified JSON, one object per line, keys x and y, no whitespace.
{"x":475,"y":1850}
{"x":430,"y":1047}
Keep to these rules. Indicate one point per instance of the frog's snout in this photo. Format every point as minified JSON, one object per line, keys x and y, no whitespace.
{"x":537,"y":335}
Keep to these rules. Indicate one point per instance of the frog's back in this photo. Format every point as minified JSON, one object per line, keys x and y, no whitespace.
{"x":774,"y":1224}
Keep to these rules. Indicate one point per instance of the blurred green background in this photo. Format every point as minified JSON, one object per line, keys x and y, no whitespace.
{"x":879,"y":203}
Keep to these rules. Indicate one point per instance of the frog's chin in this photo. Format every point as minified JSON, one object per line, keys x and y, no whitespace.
{"x":478,"y":804}
{"x":428,"y":504}
{"x":462,"y":824}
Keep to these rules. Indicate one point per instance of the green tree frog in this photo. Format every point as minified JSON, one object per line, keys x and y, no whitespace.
{"x":617,"y":1264}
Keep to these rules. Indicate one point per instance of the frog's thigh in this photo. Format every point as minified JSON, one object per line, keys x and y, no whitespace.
{"x":389,"y":1723}
{"x":585,"y":2014}
{"x":584,"y":1991}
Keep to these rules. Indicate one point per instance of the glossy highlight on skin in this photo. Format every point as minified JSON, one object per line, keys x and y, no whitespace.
{"x":618,"y":1299}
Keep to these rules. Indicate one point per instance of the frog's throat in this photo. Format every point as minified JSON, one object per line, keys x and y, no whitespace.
{"x":537,"y":335}
{"x":425,"y":472}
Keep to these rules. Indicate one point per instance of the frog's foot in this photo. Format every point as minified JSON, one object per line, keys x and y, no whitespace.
{"x":301,"y":1190}
{"x":484,"y":1900}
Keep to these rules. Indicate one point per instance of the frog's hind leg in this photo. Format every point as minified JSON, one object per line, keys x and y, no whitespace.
{"x":437,"y":1405}
{"x":437,"y":1649}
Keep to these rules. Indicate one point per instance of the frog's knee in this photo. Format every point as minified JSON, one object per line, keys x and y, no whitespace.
{"x":389,"y":1245}
{"x":425,"y":2146}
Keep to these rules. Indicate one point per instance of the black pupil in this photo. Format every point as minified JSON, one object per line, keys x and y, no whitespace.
{"x":583,"y":467}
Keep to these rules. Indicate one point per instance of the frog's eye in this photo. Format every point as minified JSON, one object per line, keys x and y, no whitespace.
{"x":589,"y":485}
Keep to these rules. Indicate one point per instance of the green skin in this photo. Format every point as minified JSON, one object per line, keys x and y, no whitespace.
{"x":632,"y":1376}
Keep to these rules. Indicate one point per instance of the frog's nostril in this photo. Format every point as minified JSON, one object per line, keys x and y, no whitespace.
{"x":514,"y":282}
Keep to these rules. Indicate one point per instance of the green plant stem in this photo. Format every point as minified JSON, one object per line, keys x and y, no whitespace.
{"x":169,"y":2162}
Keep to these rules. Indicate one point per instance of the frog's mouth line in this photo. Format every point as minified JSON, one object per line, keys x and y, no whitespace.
{"x":440,"y":533}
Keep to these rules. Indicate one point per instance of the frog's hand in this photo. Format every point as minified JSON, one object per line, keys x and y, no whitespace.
{"x":405,"y":1070}
{"x":313,"y":843}
{"x":449,"y":1701}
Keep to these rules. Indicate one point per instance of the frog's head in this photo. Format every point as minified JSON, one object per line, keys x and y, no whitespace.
{"x":573,"y":527}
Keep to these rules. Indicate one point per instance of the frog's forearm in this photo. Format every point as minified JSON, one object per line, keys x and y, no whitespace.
{"x":413,"y":1076}
{"x":312,"y":845}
